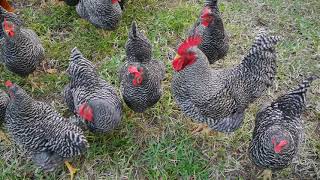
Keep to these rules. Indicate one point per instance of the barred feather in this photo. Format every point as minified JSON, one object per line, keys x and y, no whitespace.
{"x":23,"y":52}
{"x":101,"y":13}
{"x":87,"y":87}
{"x":215,"y":41}
{"x":139,"y":54}
{"x":42,"y":131}
{"x":279,"y":120}
{"x":4,"y":100}
{"x":220,"y":97}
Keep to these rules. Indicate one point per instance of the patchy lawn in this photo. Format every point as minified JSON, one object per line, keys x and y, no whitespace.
{"x":158,"y":143}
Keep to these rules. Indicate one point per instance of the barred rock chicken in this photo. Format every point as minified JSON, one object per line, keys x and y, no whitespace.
{"x":215,"y":42}
{"x":105,"y":14}
{"x":219,"y":98}
{"x":278,"y":130}
{"x":90,"y":96}
{"x":141,"y":75}
{"x":44,"y":133}
{"x":7,"y":13}
{"x":21,"y":50}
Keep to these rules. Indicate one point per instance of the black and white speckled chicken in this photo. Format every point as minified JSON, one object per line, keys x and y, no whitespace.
{"x":6,"y":11}
{"x":104,"y":14}
{"x":21,"y":50}
{"x":141,"y":75}
{"x":35,"y":126}
{"x":215,"y":41}
{"x":90,"y":96}
{"x":219,"y":98}
{"x":278,"y":130}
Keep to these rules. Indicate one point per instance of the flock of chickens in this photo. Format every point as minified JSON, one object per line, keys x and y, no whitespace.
{"x":216,"y":98}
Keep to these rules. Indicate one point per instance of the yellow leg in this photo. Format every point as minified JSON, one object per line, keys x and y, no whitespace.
{"x":71,"y":169}
{"x":204,"y":130}
{"x":3,"y":137}
{"x":266,"y":174}
{"x":199,"y":128}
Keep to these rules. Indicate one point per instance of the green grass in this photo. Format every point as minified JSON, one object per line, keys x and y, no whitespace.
{"x":158,"y":144}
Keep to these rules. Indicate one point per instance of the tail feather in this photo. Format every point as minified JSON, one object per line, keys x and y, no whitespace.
{"x":75,"y":54}
{"x":303,"y":87}
{"x":293,"y":103}
{"x":134,"y":29}
{"x":212,"y":3}
{"x":264,"y":42}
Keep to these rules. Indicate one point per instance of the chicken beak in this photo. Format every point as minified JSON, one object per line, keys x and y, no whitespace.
{"x":177,"y":56}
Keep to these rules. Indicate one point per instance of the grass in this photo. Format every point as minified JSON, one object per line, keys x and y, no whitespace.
{"x":158,"y":144}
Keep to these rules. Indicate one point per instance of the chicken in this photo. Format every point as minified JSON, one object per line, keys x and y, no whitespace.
{"x":219,"y":98}
{"x":10,"y":16}
{"x":105,"y":14}
{"x":70,"y":2}
{"x":90,"y":96}
{"x":278,"y":130}
{"x":215,"y":41}
{"x":141,"y":75}
{"x":35,"y":126}
{"x":21,"y":50}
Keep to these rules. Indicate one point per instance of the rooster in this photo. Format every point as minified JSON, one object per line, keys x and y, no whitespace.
{"x":48,"y":137}
{"x":218,"y":98}
{"x":141,"y":75}
{"x":278,"y":130}
{"x":215,"y":41}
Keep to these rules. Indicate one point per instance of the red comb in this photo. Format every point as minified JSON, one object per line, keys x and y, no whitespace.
{"x":207,"y":10}
{"x":8,"y":84}
{"x":188,"y":43}
{"x":114,"y":1}
{"x":132,"y":69}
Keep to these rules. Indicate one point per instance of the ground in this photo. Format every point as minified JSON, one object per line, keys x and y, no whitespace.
{"x":158,"y":144}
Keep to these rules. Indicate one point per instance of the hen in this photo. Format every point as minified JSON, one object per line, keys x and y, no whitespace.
{"x":104,"y":14}
{"x":21,"y":50}
{"x":10,"y":16}
{"x":141,"y":75}
{"x":219,"y":98}
{"x":278,"y":130}
{"x":90,"y":96}
{"x":215,"y":41}
{"x":43,"y":132}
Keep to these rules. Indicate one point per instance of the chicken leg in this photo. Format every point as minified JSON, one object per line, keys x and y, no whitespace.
{"x":3,"y":137}
{"x":71,"y":169}
{"x":203,"y":129}
{"x":266,"y":174}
